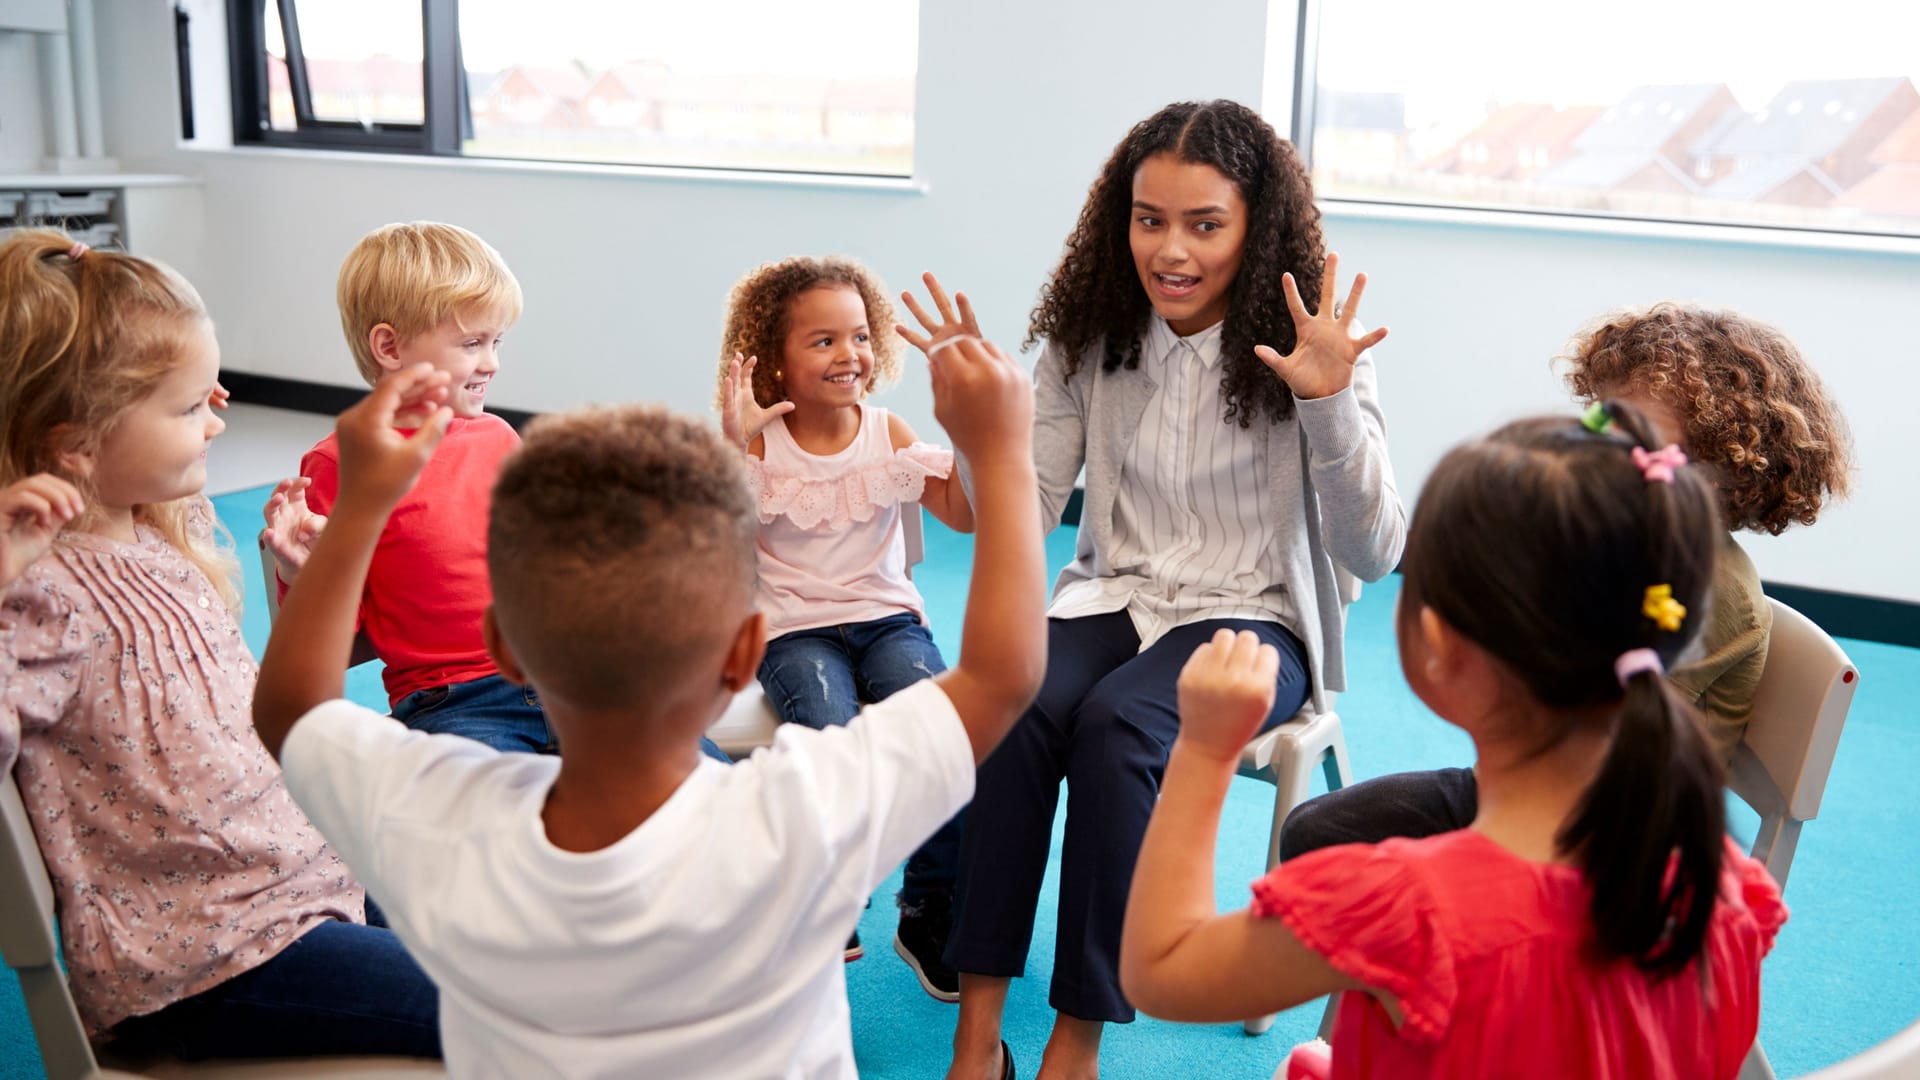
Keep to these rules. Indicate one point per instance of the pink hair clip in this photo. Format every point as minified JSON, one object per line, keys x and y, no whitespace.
{"x":78,"y":249}
{"x":1634,"y":661}
{"x":1659,"y":464}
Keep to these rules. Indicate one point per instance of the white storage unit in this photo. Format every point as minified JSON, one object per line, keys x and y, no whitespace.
{"x":129,"y":212}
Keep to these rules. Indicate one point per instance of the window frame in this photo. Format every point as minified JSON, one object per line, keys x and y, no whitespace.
{"x":447,"y":120}
{"x":1306,"y":70}
{"x":444,"y":115}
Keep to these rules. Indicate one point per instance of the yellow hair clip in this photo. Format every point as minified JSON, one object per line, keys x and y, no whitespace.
{"x":1660,"y":606}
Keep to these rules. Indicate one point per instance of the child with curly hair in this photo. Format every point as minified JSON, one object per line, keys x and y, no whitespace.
{"x":1736,"y":395}
{"x":833,"y":474}
{"x":1236,"y":474}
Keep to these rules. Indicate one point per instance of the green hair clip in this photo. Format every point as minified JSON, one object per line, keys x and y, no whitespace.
{"x":1596,"y":419}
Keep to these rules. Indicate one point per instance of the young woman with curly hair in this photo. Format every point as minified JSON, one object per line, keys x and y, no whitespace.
{"x":1236,"y":470}
{"x":1736,"y":396}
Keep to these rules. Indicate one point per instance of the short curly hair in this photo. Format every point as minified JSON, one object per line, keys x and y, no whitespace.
{"x":621,"y":550}
{"x":757,"y":319}
{"x":1751,"y":406}
{"x":1095,"y":294}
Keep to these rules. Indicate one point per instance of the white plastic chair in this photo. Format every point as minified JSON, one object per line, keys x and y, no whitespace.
{"x":1782,"y":763}
{"x":750,"y":722}
{"x":1286,"y":757}
{"x":31,"y":946}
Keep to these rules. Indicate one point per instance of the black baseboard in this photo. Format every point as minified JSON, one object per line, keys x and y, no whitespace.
{"x":1869,"y":618}
{"x":324,"y":398}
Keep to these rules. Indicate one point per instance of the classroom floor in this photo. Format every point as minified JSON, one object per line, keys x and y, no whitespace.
{"x":1844,"y":975}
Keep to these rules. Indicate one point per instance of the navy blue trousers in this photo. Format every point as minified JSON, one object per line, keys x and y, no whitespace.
{"x":1104,"y":722}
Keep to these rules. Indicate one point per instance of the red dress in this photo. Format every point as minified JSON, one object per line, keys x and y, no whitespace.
{"x":1492,"y":960}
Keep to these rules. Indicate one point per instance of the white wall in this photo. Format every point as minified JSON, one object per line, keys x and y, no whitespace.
{"x":22,"y":142}
{"x":1019,"y":103}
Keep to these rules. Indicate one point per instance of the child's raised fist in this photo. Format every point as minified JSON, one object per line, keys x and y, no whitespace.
{"x":1226,"y":690}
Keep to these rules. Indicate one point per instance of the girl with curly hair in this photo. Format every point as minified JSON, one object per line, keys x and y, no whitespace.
{"x":833,"y":473}
{"x":1236,"y":474}
{"x":1738,"y":398}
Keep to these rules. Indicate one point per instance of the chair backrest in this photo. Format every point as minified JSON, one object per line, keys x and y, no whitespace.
{"x":913,"y":530}
{"x":362,"y":648}
{"x":31,"y":945}
{"x":1798,"y":710}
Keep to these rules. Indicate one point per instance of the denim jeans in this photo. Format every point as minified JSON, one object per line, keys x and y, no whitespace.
{"x":820,"y":678}
{"x":494,"y":711}
{"x":342,"y":988}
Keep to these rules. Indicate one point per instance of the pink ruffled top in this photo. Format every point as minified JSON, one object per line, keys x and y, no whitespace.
{"x":831,"y":548}
{"x":1491,"y":958}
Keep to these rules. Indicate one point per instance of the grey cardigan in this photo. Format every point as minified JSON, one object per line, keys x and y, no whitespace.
{"x":1336,"y":511}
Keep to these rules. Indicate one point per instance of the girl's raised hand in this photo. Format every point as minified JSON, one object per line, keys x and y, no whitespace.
{"x":291,"y":526}
{"x":741,"y":417}
{"x":32,"y":512}
{"x":1324,"y":348}
{"x":1225,"y":690}
{"x":221,"y":396}
{"x":956,"y":317}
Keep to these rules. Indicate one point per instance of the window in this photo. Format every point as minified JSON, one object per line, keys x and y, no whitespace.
{"x":814,"y":88}
{"x":1683,"y":110}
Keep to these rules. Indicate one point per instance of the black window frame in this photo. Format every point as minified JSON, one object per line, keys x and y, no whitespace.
{"x":443,"y":85}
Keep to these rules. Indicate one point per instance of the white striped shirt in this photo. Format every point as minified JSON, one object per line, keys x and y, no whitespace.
{"x":1192,"y":529}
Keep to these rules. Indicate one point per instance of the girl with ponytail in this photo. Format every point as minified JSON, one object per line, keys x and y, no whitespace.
{"x":1594,"y":920}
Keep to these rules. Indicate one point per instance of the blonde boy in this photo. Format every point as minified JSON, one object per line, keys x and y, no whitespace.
{"x":426,"y":292}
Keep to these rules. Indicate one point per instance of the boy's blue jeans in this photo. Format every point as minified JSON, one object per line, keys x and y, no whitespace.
{"x":490,"y":710}
{"x":821,"y":677}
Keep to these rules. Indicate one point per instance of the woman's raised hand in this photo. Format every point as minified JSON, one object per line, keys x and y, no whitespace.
{"x":1324,"y":348}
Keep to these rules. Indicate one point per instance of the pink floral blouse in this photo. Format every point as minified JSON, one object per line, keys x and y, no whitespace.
{"x":178,"y":859}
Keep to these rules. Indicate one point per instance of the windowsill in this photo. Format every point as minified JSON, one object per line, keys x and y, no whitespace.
{"x":52,"y":181}
{"x":899,"y":185}
{"x":1639,"y":228}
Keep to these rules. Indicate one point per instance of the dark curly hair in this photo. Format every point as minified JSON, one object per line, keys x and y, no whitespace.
{"x":1095,"y":293}
{"x":1751,"y":406}
{"x":757,"y":319}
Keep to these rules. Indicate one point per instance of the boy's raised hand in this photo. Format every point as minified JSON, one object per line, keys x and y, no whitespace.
{"x":983,"y":399}
{"x":741,"y":417}
{"x":32,"y":512}
{"x":379,"y":464}
{"x":291,"y":526}
{"x":956,"y":318}
{"x":1324,"y":348}
{"x":1226,"y":690}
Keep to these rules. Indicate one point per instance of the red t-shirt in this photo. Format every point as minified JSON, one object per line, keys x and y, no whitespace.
{"x":1492,"y":960}
{"x":427,"y":588}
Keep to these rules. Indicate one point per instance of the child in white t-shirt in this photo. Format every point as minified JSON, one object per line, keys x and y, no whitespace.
{"x":631,"y":908}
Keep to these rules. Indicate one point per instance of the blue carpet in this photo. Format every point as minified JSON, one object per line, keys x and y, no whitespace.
{"x":1845,"y":974}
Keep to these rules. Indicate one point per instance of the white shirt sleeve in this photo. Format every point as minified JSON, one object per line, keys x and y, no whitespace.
{"x":879,"y":787}
{"x":357,"y":774}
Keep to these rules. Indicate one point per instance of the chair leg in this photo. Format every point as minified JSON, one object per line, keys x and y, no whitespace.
{"x":1281,"y":808}
{"x":1779,"y":857}
{"x":1756,"y":1066}
{"x":1259,"y":1025}
{"x":1327,"y":1017}
{"x":1338,"y":769}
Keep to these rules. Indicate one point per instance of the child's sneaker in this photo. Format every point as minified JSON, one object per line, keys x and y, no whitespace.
{"x":922,"y":942}
{"x":854,"y":951}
